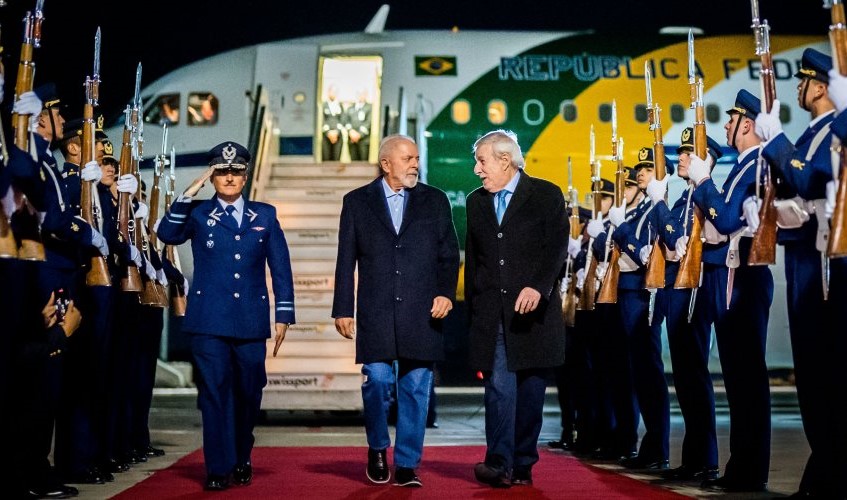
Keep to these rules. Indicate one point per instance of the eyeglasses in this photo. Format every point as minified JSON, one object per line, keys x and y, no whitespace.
{"x":230,"y":171}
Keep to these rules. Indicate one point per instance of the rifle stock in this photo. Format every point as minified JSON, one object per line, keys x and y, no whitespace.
{"x":571,"y":298}
{"x":654,"y":277}
{"x":609,"y":287}
{"x":837,"y":244}
{"x":177,"y":290}
{"x":131,"y":281}
{"x":98,"y":273}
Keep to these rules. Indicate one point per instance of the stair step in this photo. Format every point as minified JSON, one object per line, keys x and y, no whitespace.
{"x":314,"y":281}
{"x":320,"y":171}
{"x":310,"y":222}
{"x":288,"y":208}
{"x":311,"y":236}
{"x":286,"y":194}
{"x":313,"y":252}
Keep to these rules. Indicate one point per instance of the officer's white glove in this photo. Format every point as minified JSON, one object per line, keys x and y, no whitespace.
{"x":751,"y":212}
{"x":698,"y":169}
{"x":149,"y":270}
{"x":156,"y":225}
{"x":574,"y":247}
{"x":680,"y":246}
{"x":29,"y":104}
{"x":8,"y":202}
{"x":644,"y":253}
{"x":580,"y":278}
{"x":768,"y":125}
{"x":617,"y":215}
{"x":2,"y":84}
{"x":837,"y":89}
{"x":135,"y":255}
{"x":142,"y":211}
{"x":91,"y":172}
{"x":596,"y":227}
{"x":127,"y":183}
{"x":656,"y":189}
{"x":161,"y":278}
{"x":185,"y":285}
{"x":563,"y":286}
{"x":99,"y":242}
{"x":828,"y":207}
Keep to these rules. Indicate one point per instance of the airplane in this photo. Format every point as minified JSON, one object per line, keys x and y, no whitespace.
{"x":447,"y":88}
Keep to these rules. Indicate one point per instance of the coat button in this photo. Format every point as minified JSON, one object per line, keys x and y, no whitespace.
{"x":237,"y":237}
{"x":238,"y":256}
{"x":398,"y":246}
{"x":236,"y":276}
{"x":502,"y":262}
{"x":399,"y":299}
{"x":503,"y":291}
{"x":236,"y":295}
{"x":499,"y":235}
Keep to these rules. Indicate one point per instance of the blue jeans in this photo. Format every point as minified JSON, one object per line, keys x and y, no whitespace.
{"x":413,"y":381}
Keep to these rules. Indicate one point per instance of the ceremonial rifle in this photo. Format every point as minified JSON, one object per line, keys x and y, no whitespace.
{"x":8,"y":244}
{"x":609,"y":288}
{"x":837,"y":245}
{"x":31,"y":247}
{"x":571,"y":297}
{"x":763,"y":248}
{"x":655,"y":275}
{"x":177,"y":290}
{"x":691,"y":264}
{"x":588,"y":293}
{"x":98,"y":274}
{"x":131,"y":282}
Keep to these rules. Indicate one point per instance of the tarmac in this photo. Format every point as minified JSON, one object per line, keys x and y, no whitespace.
{"x":175,"y":426}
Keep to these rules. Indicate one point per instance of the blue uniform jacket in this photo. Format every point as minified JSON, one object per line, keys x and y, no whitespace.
{"x":636,"y":232}
{"x":724,"y":208}
{"x":672,"y":225}
{"x":229,"y":295}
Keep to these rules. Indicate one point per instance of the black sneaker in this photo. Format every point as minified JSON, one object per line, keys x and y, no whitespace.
{"x":377,"y":470}
{"x":404,"y":476}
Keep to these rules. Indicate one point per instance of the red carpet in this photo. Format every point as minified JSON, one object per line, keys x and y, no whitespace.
{"x":339,"y":473}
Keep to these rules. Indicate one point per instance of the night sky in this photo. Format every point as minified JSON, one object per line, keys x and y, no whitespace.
{"x":164,"y":35}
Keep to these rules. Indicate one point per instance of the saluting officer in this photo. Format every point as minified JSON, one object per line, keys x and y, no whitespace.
{"x":689,"y":349}
{"x":227,"y":314}
{"x":736,"y":299}
{"x":806,"y":167}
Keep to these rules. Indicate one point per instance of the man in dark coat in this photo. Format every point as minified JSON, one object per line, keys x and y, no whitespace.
{"x":516,"y":246}
{"x":400,"y":234}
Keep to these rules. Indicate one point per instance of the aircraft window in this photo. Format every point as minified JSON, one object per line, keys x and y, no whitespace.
{"x":784,"y":114}
{"x":605,"y":112}
{"x":533,"y":112}
{"x":496,"y":112}
{"x":460,"y":111}
{"x":568,"y":111}
{"x":641,"y":113}
{"x":164,"y":109}
{"x":677,"y":113}
{"x":202,"y":109}
{"x":713,"y":113}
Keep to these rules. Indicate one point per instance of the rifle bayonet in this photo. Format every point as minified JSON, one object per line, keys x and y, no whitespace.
{"x":92,"y":83}
{"x":97,"y":54}
{"x":136,"y":99}
{"x":648,"y":85}
{"x":35,"y":27}
{"x":692,"y":66}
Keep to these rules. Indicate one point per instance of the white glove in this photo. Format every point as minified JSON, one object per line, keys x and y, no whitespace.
{"x":99,"y":242}
{"x":617,"y":215}
{"x":161,"y":278}
{"x":596,"y":227}
{"x":829,"y":206}
{"x":563,"y":286}
{"x":574,"y":247}
{"x":644,"y":253}
{"x":751,"y":212}
{"x":28,"y":104}
{"x":127,"y":183}
{"x":149,"y":270}
{"x":156,"y":225}
{"x":2,"y":84}
{"x":580,"y":278}
{"x":185,"y":284}
{"x":656,"y":189}
{"x":135,"y":255}
{"x":8,"y":202}
{"x":142,"y":211}
{"x":837,"y":89}
{"x":680,"y":246}
{"x":698,"y":169}
{"x":91,"y":172}
{"x":768,"y":125}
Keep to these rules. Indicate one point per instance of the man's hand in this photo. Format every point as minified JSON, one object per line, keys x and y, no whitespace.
{"x":48,"y":314}
{"x":332,"y":135}
{"x":596,"y":227}
{"x":99,"y":242}
{"x":527,"y":301}
{"x":698,"y":169}
{"x":644,"y":253}
{"x":346,"y":327}
{"x":354,"y":136}
{"x":281,"y":328}
{"x":617,"y":215}
{"x":127,"y":183}
{"x":574,"y":246}
{"x":768,"y":125}
{"x":580,"y":278}
{"x":656,"y":189}
{"x":751,"y":212}
{"x":681,"y":246}
{"x":91,"y":172}
{"x":135,"y":256}
{"x":440,"y":307}
{"x":831,"y":188}
{"x":72,"y":319}
{"x":837,"y":89}
{"x":195,"y":186}
{"x":142,"y":211}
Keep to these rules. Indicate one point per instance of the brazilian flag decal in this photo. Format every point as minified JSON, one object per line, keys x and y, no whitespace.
{"x":435,"y":66}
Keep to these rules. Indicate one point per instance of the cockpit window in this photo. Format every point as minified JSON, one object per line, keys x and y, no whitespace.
{"x":202,"y":109}
{"x":163,"y":109}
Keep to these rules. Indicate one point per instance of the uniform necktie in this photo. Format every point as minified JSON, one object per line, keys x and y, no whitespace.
{"x":501,"y":205}
{"x":230,"y":210}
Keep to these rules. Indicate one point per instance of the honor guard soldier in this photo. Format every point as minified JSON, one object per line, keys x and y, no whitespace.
{"x":689,"y":349}
{"x":735,"y":298}
{"x":232,"y":239}
{"x":805,"y":167}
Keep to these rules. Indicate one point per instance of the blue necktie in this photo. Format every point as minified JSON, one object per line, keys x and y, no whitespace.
{"x":230,"y":210}
{"x":501,"y":205}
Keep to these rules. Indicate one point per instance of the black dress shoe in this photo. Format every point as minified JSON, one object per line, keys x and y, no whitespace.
{"x":114,"y":466}
{"x":53,"y":491}
{"x":152,"y":452}
{"x":377,"y":470}
{"x":242,"y":474}
{"x":686,"y":473}
{"x":90,"y":476}
{"x":638,"y":462}
{"x":495,"y":477}
{"x":432,"y":425}
{"x":560,"y":445}
{"x":405,"y":476}
{"x":521,"y":476}
{"x":216,"y":483}
{"x":733,"y":485}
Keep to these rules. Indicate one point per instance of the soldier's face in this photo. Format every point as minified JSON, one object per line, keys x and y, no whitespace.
{"x":229,"y":183}
{"x":400,"y":167}
{"x":644,"y":176}
{"x":682,"y":165}
{"x":108,"y":174}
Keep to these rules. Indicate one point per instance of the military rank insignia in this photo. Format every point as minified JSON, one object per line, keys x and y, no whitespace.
{"x":669,"y":228}
{"x":631,"y":247}
{"x":74,"y":227}
{"x":713,"y":213}
{"x":797,"y":164}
